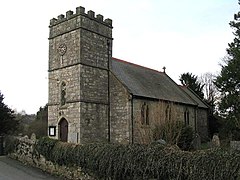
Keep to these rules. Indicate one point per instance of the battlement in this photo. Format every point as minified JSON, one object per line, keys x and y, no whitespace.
{"x":80,"y":11}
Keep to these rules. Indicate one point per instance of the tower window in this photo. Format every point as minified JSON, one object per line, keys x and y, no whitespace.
{"x":63,"y":93}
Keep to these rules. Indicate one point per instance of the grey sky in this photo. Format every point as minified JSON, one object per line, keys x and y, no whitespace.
{"x":185,"y":36}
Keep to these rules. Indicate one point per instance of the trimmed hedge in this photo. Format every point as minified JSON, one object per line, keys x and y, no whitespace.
{"x":143,"y":161}
{"x":44,"y":146}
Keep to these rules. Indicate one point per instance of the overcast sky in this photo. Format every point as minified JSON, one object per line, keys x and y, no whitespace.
{"x":185,"y":36}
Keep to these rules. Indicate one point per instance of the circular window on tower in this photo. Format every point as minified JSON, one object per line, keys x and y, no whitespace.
{"x":62,"y":49}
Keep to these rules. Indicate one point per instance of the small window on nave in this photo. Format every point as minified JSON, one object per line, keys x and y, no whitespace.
{"x":168,"y":113}
{"x":186,"y":117}
{"x":145,"y":114}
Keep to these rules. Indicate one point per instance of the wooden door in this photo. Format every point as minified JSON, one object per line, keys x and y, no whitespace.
{"x":63,"y":125}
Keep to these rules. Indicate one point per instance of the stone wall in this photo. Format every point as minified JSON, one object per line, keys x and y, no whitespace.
{"x":93,"y":85}
{"x":202,"y":124}
{"x":80,"y":49}
{"x":121,"y":124}
{"x":58,"y":59}
{"x":80,"y":19}
{"x":24,"y":152}
{"x":158,"y":113}
{"x":93,"y":124}
{"x":69,"y":75}
{"x":71,"y":110}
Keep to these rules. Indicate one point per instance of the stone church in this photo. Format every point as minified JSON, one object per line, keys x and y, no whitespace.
{"x":94,"y":97}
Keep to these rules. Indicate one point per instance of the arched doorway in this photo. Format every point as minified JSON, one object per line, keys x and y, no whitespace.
{"x":63,"y":130}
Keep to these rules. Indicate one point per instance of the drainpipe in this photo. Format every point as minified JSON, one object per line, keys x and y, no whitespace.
{"x":196,"y":129}
{"x":109,"y":121}
{"x":132,"y":118}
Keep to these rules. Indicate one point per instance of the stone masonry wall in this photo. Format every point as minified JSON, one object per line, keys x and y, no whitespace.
{"x":95,"y":54}
{"x":80,"y":46}
{"x":78,"y":20}
{"x":202,"y":124}
{"x":24,"y":152}
{"x":143,"y":133}
{"x":72,"y":42}
{"x":71,"y":110}
{"x":94,"y":49}
{"x":69,"y":75}
{"x":94,"y":123}
{"x":93,"y":85}
{"x":121,"y":125}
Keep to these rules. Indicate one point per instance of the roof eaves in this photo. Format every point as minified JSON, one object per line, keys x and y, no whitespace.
{"x":207,"y":106}
{"x":165,"y":100}
{"x":195,"y":103}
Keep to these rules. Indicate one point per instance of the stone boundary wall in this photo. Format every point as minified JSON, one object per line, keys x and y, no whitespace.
{"x":235,"y":145}
{"x":24,"y":153}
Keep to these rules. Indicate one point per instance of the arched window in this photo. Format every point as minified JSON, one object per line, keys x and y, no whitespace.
{"x":144,"y":114}
{"x":63,"y":93}
{"x":186,"y":117}
{"x":168,"y":113}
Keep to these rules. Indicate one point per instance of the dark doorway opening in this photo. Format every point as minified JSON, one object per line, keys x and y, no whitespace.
{"x":63,"y":130}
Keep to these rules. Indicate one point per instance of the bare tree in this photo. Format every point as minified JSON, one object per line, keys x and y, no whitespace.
{"x":210,"y":90}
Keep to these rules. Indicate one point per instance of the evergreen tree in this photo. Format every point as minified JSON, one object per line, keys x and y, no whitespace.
{"x":8,"y":124}
{"x":191,"y":81}
{"x":40,"y":125}
{"x":24,"y":121}
{"x":228,"y":82}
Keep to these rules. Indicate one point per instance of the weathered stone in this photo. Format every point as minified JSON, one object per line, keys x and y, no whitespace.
{"x":79,"y":57}
{"x":33,"y":137}
{"x":215,"y":141}
{"x":24,"y":152}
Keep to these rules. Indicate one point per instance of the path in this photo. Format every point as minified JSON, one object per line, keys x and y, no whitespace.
{"x":11,"y":169}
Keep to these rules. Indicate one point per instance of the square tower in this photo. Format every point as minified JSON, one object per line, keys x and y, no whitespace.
{"x":80,"y":53}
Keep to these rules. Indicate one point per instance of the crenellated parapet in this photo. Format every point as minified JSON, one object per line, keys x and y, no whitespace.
{"x":80,"y":11}
{"x":80,"y":20}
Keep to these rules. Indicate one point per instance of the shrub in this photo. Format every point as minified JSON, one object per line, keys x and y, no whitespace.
{"x":11,"y":144}
{"x":45,"y":146}
{"x":136,"y":161}
{"x":186,"y":138}
{"x":175,"y":133}
{"x":170,"y":131}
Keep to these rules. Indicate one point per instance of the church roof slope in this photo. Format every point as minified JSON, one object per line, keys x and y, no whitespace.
{"x":145,"y":82}
{"x":195,"y":97}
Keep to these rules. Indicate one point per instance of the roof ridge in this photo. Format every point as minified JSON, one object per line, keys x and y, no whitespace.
{"x":127,"y":62}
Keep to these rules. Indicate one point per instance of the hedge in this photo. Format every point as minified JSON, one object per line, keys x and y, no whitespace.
{"x":143,"y":161}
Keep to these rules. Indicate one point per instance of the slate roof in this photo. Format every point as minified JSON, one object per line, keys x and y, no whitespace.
{"x":145,"y":82}
{"x":195,"y":97}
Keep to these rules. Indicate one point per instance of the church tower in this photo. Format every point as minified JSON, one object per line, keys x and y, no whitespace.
{"x":80,"y":52}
